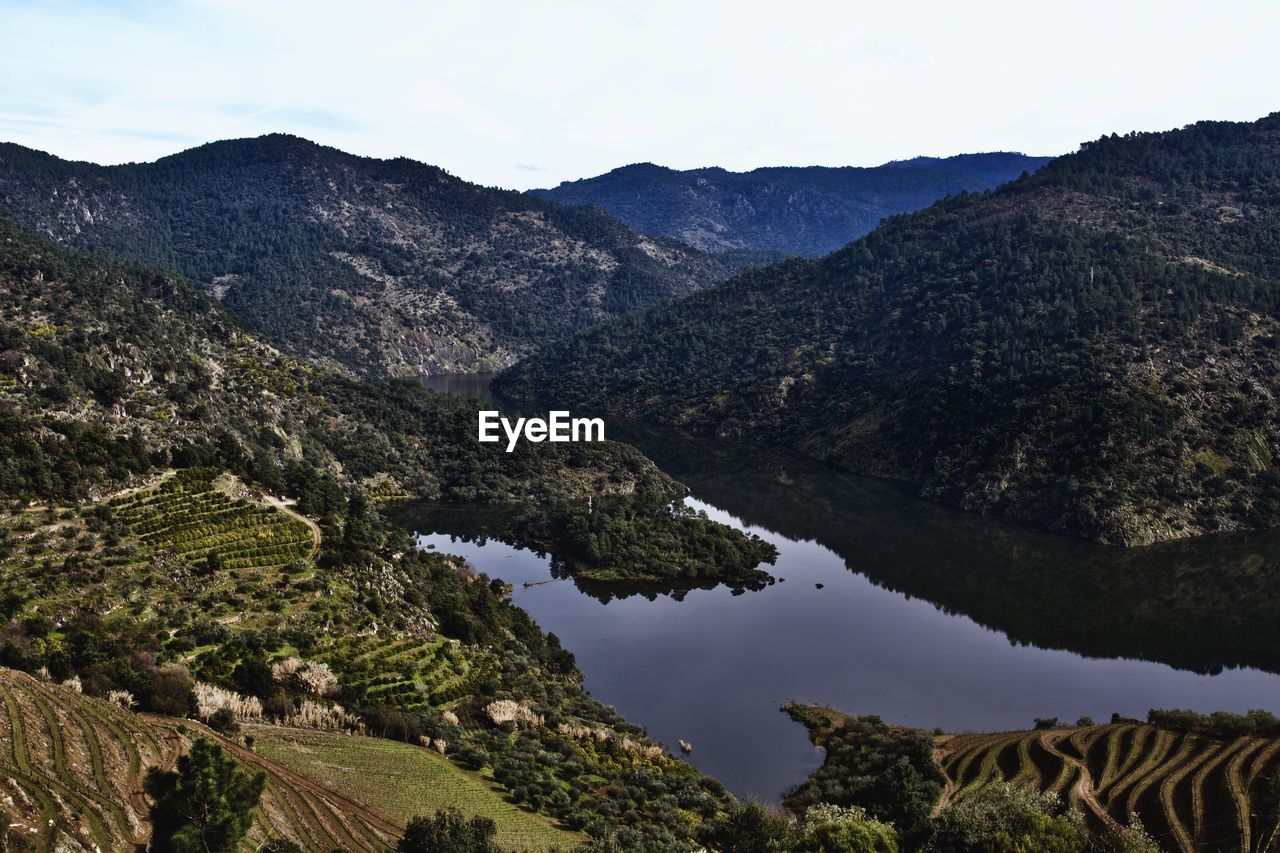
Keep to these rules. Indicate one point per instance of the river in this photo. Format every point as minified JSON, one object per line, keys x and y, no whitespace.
{"x":887,"y":605}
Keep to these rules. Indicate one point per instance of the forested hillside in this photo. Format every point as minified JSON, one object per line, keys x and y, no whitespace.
{"x":189,"y":525}
{"x":110,"y":370}
{"x":787,"y":210}
{"x":1093,"y":348}
{"x":379,"y":266}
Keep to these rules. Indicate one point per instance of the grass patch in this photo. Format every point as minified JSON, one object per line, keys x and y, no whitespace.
{"x":403,"y":781}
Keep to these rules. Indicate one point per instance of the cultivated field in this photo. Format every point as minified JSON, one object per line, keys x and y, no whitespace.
{"x":195,"y":544}
{"x":1191,"y":791}
{"x":192,"y":515}
{"x":71,"y":770}
{"x":410,"y":673}
{"x":403,"y":781}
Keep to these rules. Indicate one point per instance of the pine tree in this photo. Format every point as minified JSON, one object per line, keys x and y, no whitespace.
{"x":206,"y":805}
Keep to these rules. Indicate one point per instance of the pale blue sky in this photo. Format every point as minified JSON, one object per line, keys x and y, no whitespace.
{"x":523,"y":94}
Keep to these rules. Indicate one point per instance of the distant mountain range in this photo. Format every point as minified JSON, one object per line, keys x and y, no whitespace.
{"x":808,"y":210}
{"x":1093,"y":348}
{"x":376,"y":266}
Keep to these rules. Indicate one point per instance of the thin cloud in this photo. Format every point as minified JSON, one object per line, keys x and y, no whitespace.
{"x":542,"y":93}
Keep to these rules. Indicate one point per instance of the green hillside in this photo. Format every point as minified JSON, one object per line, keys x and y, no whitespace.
{"x":1092,"y":348}
{"x":405,"y":781}
{"x":186,"y":525}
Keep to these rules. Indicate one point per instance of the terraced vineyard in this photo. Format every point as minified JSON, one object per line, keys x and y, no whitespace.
{"x":405,"y":781}
{"x":1191,"y":791}
{"x":189,"y":515}
{"x":409,"y":673}
{"x":71,"y":770}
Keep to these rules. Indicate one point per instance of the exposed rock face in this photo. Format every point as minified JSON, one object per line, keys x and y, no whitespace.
{"x":380,"y":267}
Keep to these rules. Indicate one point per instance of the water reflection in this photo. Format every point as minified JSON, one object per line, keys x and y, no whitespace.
{"x":923,"y":615}
{"x":1202,"y":604}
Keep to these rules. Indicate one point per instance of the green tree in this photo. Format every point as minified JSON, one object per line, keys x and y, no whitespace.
{"x":224,"y":722}
{"x":206,"y":805}
{"x":449,"y":832}
{"x":752,"y":828}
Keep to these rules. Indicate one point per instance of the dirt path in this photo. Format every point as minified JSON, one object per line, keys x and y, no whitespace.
{"x":137,"y":795}
{"x":154,"y":482}
{"x":119,"y":493}
{"x":1083,"y":788}
{"x":286,"y":507}
{"x":940,"y":752}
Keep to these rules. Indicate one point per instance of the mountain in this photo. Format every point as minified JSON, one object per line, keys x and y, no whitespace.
{"x":109,"y":369}
{"x":1093,"y":348}
{"x":377,"y":266}
{"x":148,"y":560}
{"x":809,"y":210}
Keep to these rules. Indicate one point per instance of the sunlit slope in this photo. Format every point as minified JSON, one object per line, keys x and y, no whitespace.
{"x":404,"y":781}
{"x":71,"y":771}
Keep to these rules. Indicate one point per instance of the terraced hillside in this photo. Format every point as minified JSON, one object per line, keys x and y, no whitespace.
{"x":410,"y":673}
{"x":405,"y":781}
{"x":199,"y":536}
{"x":192,"y":516}
{"x":71,"y":772}
{"x":1191,"y":791}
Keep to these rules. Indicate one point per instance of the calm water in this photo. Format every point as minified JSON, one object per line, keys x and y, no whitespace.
{"x":926,"y":617}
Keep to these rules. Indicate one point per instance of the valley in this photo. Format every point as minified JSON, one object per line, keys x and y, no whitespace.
{"x":786,"y":211}
{"x":284,"y":567}
{"x":884,"y":605}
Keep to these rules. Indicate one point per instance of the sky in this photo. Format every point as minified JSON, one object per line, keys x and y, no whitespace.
{"x":528,"y":93}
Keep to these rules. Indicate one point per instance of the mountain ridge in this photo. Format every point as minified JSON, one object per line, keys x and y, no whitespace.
{"x":790,"y":210}
{"x":374,"y":267}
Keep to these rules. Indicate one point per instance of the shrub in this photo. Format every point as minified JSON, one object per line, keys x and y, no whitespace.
{"x":832,"y":829}
{"x":170,"y":691}
{"x":1003,"y":816}
{"x":224,"y":721}
{"x":449,"y":832}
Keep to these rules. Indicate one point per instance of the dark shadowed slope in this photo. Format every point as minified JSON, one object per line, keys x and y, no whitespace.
{"x":809,"y":210}
{"x":1093,"y":349}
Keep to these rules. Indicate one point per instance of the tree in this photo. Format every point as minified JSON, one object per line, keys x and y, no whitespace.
{"x":169,"y":691}
{"x":449,"y":832}
{"x":224,"y":722}
{"x":752,"y":828}
{"x":252,"y":676}
{"x":206,"y":805}
{"x":359,"y":531}
{"x":833,"y":829}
